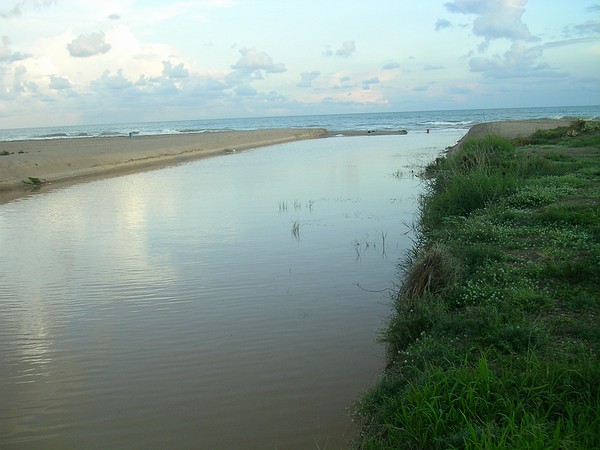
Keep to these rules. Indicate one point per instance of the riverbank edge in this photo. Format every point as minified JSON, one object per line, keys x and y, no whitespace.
{"x":451,"y":359}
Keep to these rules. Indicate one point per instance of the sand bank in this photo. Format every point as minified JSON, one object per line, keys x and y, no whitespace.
{"x":511,"y":129}
{"x":59,"y":162}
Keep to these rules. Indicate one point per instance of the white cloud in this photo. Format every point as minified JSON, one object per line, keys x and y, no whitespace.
{"x":441,"y":24}
{"x":518,"y":62}
{"x":7,"y":55}
{"x":108,"y":82}
{"x":20,"y":83}
{"x":591,"y":27}
{"x":495,"y":18}
{"x":573,"y":41}
{"x":391,"y":66}
{"x":59,"y":83}
{"x":17,"y":9}
{"x":347,"y":48}
{"x":252,"y":60}
{"x":502,"y":19}
{"x":88,"y":45}
{"x":174,"y":72}
{"x":306,"y":78}
{"x":366,"y":84}
{"x":245,"y":91}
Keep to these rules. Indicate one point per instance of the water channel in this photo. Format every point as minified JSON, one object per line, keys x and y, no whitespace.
{"x":225,"y":303}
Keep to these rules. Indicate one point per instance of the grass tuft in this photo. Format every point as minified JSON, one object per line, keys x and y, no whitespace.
{"x":432,"y":272}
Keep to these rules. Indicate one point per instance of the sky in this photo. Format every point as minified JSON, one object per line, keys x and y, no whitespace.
{"x":71,"y":62}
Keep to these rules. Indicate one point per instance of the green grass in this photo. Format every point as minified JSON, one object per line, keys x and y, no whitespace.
{"x":526,"y":404}
{"x":495,"y":336}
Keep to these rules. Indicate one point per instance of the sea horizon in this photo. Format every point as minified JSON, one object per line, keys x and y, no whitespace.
{"x":411,"y":121}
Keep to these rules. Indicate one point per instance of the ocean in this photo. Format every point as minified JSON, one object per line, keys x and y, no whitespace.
{"x":413,"y":122}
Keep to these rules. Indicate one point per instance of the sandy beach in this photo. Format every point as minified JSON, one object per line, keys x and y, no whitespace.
{"x":60,"y":162}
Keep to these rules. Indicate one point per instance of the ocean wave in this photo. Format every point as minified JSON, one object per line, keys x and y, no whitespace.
{"x":51,"y":136}
{"x":441,"y":123}
{"x":191,"y":130}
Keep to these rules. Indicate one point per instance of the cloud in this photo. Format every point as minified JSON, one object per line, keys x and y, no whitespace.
{"x":59,"y":83}
{"x":17,"y":9}
{"x":88,"y":45}
{"x":177,"y":72}
{"x":6,"y":55}
{"x":495,"y":19}
{"x":502,"y":19}
{"x":347,"y":48}
{"x":245,"y":91}
{"x":518,"y":62}
{"x":442,"y":24}
{"x":20,"y":85}
{"x":254,"y":60}
{"x":390,"y":66}
{"x":433,"y":67}
{"x":574,"y":41}
{"x":458,"y":90}
{"x":114,"y":17}
{"x":588,"y":28}
{"x":108,"y":82}
{"x":306,"y":78}
{"x":366,"y":84}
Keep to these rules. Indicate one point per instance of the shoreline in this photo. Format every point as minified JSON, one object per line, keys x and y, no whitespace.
{"x":34,"y":166}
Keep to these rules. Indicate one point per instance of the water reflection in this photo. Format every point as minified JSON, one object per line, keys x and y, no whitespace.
{"x":167,"y":309}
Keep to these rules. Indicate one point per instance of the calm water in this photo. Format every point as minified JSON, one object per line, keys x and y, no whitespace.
{"x":182,"y":308}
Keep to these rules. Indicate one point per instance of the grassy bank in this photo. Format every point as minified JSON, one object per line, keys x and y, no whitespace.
{"x":495,"y":337}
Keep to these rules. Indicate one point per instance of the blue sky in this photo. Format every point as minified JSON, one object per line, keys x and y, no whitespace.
{"x":79,"y":61}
